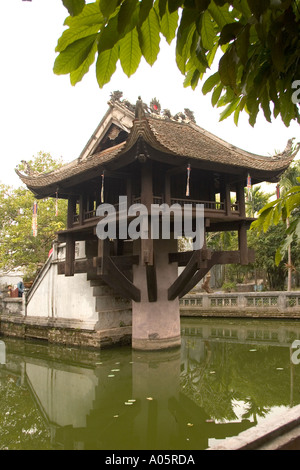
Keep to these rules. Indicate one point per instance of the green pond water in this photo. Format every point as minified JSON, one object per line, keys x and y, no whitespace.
{"x":227,"y":376}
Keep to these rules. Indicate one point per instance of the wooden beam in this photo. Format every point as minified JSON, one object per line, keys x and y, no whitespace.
{"x":123,"y":262}
{"x":151,"y":283}
{"x":189,"y":271}
{"x":119,"y":282}
{"x":80,"y":267}
{"x":77,"y":236}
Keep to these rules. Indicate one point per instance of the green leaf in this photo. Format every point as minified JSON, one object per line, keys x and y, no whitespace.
{"x":74,"y":7}
{"x":174,"y":5}
{"x":236,"y":115}
{"x":192,"y":78}
{"x":208,"y":35}
{"x":145,"y":7}
{"x":130,"y":52}
{"x":258,"y":7}
{"x":162,"y":7}
{"x":220,"y":14}
{"x":108,"y":7}
{"x":109,"y":36}
{"x":106,"y":65}
{"x":183,"y":56}
{"x":228,"y":69}
{"x":229,"y":32}
{"x":186,"y":30}
{"x":149,"y":38}
{"x":127,"y":10}
{"x":77,"y":75}
{"x":242,"y":44}
{"x":216,"y":94}
{"x":73,"y":34}
{"x":210,"y":83}
{"x":265,"y":104}
{"x":74,"y":55}
{"x":89,"y":16}
{"x":168,"y":25}
{"x":230,"y":109}
{"x":268,"y":215}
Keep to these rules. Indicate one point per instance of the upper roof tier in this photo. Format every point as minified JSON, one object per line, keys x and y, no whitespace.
{"x":127,"y":131}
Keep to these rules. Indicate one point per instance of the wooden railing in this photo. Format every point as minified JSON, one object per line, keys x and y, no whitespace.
{"x":211,"y":205}
{"x":208,"y":205}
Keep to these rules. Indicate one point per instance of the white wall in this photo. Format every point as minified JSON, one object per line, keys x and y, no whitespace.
{"x":56,"y":296}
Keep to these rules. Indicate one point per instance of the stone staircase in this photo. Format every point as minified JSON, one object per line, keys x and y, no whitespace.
{"x":113,"y":311}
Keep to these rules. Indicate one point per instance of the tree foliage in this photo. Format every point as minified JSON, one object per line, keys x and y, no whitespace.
{"x":258,"y":41}
{"x":19,"y":248}
{"x":282,"y":209}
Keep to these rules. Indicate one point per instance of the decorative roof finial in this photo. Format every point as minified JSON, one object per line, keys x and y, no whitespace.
{"x":139,"y":109}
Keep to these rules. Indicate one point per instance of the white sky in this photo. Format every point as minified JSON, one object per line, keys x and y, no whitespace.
{"x":42,"y":111}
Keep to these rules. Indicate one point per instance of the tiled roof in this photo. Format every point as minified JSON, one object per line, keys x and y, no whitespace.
{"x":184,"y":139}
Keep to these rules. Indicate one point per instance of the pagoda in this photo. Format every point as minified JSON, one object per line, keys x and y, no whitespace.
{"x":150,"y":157}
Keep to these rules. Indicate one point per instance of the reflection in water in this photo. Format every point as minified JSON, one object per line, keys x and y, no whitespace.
{"x":227,"y":376}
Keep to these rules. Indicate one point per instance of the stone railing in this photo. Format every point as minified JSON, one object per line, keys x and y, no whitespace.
{"x":242,"y":304}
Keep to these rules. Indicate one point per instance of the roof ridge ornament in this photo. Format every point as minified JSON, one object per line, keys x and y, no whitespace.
{"x":290,"y":150}
{"x":139,"y":109}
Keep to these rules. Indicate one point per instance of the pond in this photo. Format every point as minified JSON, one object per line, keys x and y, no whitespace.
{"x":227,"y":376}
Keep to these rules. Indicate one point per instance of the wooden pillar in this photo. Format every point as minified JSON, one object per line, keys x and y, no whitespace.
{"x":147,"y":184}
{"x":241,"y":199}
{"x":167,"y":189}
{"x":223,"y":192}
{"x":227,"y":199}
{"x":243,"y":247}
{"x":129,"y":190}
{"x":147,"y":257}
{"x":70,"y":255}
{"x":71,"y":211}
{"x":103,"y":254}
{"x":82,"y":202}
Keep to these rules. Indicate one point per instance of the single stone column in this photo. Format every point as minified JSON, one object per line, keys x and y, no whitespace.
{"x":156,"y":325}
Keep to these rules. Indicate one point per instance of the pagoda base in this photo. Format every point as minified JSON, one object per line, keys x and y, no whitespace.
{"x":156,"y":324}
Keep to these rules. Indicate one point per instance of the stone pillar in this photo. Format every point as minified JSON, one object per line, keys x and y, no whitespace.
{"x":156,"y":325}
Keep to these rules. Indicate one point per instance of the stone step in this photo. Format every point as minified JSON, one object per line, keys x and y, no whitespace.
{"x":110,"y":302}
{"x":102,"y":290}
